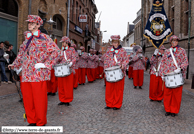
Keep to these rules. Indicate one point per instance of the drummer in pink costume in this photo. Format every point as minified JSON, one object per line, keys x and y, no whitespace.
{"x":172,"y":96}
{"x":114,"y":90}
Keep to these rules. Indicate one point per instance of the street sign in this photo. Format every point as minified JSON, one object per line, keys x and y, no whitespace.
{"x":82,"y":18}
{"x":78,"y":29}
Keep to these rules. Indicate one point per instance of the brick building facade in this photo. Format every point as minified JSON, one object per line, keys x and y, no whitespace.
{"x":56,"y":9}
{"x":83,"y":33}
{"x":177,"y":13}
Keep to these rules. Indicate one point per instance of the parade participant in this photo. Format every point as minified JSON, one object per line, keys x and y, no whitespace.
{"x":156,"y":83}
{"x":114,"y":90}
{"x":65,"y":84}
{"x":91,"y":67}
{"x":52,"y":84}
{"x":36,"y":56}
{"x":138,"y":69}
{"x":172,"y":96}
{"x":130,"y":70}
{"x":82,"y":63}
{"x":96,"y":65}
{"x":75,"y":77}
{"x":101,"y":65}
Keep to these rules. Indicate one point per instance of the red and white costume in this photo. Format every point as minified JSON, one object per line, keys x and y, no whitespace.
{"x":65,"y":84}
{"x":82,"y":63}
{"x":156,"y":84}
{"x":138,"y":70}
{"x":172,"y":97}
{"x":130,"y":70}
{"x":41,"y":49}
{"x":114,"y":91}
{"x":75,"y":79}
{"x":91,"y":67}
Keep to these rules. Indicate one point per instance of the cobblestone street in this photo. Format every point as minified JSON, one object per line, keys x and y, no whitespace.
{"x":87,"y":115}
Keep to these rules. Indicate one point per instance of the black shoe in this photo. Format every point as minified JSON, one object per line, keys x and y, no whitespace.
{"x":75,"y":88}
{"x":61,"y":103}
{"x":21,"y":100}
{"x":90,"y":81}
{"x":49,"y":93}
{"x":105,"y":85}
{"x":67,"y":104}
{"x":32,"y":124}
{"x":80,"y":84}
{"x":159,"y":101}
{"x":140,"y":88}
{"x":167,"y":113}
{"x":173,"y":114}
{"x":83,"y":83}
{"x":53,"y":94}
{"x":151,"y":100}
{"x":107,"y":108}
{"x":116,"y":108}
{"x":135,"y":87}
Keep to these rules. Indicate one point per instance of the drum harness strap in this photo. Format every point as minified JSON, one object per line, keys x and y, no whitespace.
{"x":157,"y":69}
{"x":173,"y":58}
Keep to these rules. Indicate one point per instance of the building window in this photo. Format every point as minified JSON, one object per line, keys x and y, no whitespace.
{"x":9,"y":7}
{"x":59,"y":25}
{"x":76,"y":12}
{"x":72,"y":10}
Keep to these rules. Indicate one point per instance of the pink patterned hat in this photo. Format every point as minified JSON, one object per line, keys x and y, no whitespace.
{"x":65,"y":39}
{"x":174,"y":37}
{"x":73,"y":45}
{"x":115,"y":37}
{"x":91,"y":50}
{"x":162,"y":47}
{"x":82,"y":48}
{"x":35,"y":18}
{"x":100,"y":51}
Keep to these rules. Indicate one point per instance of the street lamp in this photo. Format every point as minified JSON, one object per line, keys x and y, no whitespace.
{"x":51,"y":22}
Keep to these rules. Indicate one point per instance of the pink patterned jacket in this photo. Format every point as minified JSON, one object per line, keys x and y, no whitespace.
{"x":101,"y":57}
{"x":121,"y":57}
{"x":91,"y":62}
{"x":77,"y":57}
{"x":40,"y":50}
{"x":70,"y":54}
{"x":96,"y":60}
{"x":82,"y":63}
{"x":138,"y":63}
{"x":153,"y":62}
{"x":168,"y":65}
{"x":130,"y":58}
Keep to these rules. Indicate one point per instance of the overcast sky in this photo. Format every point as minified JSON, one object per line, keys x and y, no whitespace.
{"x":115,"y":16}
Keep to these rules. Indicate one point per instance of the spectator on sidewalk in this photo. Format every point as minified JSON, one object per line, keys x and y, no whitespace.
{"x":12,"y":57}
{"x":2,"y":64}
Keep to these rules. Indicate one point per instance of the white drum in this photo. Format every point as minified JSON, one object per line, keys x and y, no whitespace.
{"x":174,"y":80}
{"x":114,"y":74}
{"x":62,"y":70}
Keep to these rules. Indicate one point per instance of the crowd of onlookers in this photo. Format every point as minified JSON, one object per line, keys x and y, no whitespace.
{"x":6,"y":48}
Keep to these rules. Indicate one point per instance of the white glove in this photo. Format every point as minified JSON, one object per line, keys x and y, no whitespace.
{"x":39,"y":65}
{"x":18,"y":70}
{"x":99,"y":59}
{"x":156,"y":52}
{"x":177,"y":70}
{"x":70,"y":64}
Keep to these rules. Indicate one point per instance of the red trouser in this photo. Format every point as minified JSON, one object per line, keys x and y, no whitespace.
{"x":172,"y":99}
{"x":104,"y":80}
{"x":65,"y":85}
{"x":138,"y":77}
{"x":114,"y":93}
{"x":52,"y":84}
{"x":130,"y":72}
{"x":82,"y":75}
{"x":75,"y":79}
{"x":91,"y":74}
{"x":35,"y":101}
{"x":156,"y":88}
{"x":98,"y":72}
{"x":101,"y":70}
